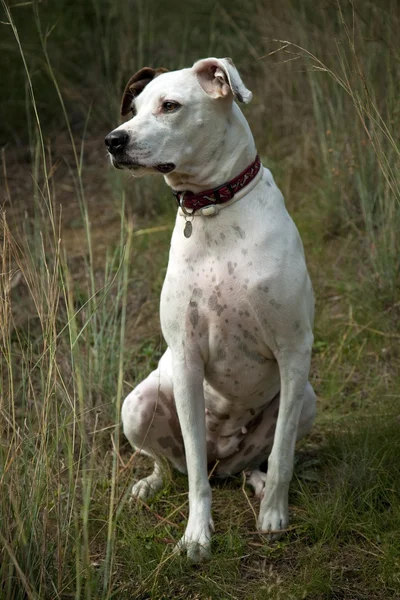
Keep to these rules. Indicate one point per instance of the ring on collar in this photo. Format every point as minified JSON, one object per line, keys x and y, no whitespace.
{"x":182,"y":206}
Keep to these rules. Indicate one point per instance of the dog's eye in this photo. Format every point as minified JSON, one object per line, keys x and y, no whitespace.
{"x":169,"y":106}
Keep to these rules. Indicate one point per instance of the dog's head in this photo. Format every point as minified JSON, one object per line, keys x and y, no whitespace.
{"x":177,"y":116}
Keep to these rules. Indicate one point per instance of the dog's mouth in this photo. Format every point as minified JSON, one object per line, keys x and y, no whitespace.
{"x":163,"y":168}
{"x":124,"y":164}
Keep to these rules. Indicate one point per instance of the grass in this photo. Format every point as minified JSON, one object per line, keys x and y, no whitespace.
{"x":83,"y":256}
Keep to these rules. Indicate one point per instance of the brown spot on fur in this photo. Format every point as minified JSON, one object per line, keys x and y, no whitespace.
{"x":177,"y":452}
{"x":251,"y":355}
{"x":221,"y":416}
{"x":255,"y":422}
{"x":176,"y":429}
{"x":210,"y":450}
{"x":296,"y":325}
{"x":213,"y":303}
{"x":248,"y":450}
{"x":159,"y":410}
{"x":263,"y":288}
{"x":212,"y":427}
{"x":249,"y":336}
{"x":275,"y":304}
{"x":221,"y":354}
{"x":239,"y":231}
{"x":194,"y":317}
{"x":270,"y":431}
{"x":166,"y":442}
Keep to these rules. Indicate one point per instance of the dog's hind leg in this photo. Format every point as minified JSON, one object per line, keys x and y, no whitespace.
{"x":150,"y":423}
{"x":256,"y":479}
{"x":256,"y":446}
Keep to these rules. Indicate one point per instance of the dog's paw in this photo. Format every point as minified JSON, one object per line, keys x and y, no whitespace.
{"x":146,"y":488}
{"x":273,"y":523}
{"x":274,"y":512}
{"x":196,"y":541}
{"x":257,"y":479}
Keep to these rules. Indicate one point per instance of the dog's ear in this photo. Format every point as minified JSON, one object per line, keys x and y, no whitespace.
{"x":136,"y":84}
{"x":220,"y":78}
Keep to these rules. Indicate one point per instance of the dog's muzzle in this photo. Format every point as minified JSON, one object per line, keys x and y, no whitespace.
{"x":117,"y":142}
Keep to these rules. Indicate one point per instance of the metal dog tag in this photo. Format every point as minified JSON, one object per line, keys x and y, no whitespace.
{"x":187,"y":232}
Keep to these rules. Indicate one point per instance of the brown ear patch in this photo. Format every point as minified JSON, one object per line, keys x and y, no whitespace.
{"x":136,"y":84}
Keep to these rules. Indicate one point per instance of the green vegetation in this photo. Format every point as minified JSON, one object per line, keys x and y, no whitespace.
{"x":83,"y":255}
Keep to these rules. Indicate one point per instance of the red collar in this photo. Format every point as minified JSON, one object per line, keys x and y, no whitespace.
{"x":221,"y":194}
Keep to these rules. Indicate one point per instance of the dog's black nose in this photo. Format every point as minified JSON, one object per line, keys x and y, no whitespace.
{"x":116,"y":141}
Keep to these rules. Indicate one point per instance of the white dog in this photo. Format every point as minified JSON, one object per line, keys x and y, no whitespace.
{"x":237,"y":303}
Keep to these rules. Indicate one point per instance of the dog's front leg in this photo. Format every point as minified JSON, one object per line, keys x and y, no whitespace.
{"x":274,"y":510}
{"x":189,"y":398}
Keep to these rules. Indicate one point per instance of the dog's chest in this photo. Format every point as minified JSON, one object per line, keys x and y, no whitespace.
{"x":211,"y":301}
{"x":224,"y":310}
